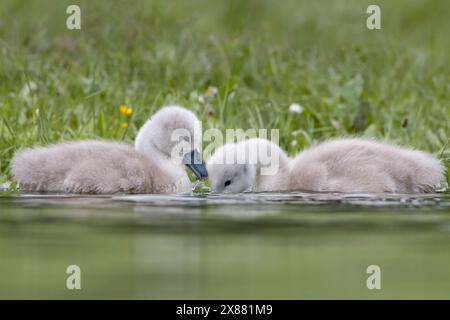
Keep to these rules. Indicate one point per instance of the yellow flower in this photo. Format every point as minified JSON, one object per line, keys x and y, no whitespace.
{"x":123,"y":109}
{"x":126,"y":110}
{"x":124,"y":124}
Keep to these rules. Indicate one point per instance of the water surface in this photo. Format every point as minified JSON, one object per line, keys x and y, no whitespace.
{"x":268,"y":245}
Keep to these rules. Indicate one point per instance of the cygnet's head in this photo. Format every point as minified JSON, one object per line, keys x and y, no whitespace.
{"x":175,"y":133}
{"x":227,"y":173}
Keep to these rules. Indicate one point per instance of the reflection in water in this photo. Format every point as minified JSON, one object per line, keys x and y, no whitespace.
{"x":268,"y":245}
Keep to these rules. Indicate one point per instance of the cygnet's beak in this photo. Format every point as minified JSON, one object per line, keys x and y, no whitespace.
{"x":193,"y":161}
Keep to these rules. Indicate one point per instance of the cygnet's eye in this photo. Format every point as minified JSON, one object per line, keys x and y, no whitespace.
{"x":227,"y":183}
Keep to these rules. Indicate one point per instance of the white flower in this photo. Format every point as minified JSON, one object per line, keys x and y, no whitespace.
{"x":295,"y":108}
{"x":211,"y":91}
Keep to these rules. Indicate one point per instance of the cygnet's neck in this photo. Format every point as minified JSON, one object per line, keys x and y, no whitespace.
{"x":144,"y":146}
{"x":272,"y":165}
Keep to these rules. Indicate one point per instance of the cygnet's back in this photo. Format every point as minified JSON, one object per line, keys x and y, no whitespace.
{"x":363,"y":165}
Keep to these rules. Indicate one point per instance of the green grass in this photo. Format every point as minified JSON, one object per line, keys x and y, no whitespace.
{"x":57,"y":84}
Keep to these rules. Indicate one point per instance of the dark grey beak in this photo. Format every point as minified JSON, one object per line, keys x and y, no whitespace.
{"x":193,"y":161}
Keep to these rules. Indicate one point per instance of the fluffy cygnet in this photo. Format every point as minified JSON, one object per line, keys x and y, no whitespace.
{"x":167,"y":140}
{"x":340,"y":165}
{"x":364,"y":165}
{"x":251,"y":165}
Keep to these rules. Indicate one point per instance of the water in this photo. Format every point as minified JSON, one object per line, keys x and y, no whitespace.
{"x":293,"y":246}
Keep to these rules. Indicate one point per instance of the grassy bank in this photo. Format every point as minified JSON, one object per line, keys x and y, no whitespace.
{"x":262,"y":56}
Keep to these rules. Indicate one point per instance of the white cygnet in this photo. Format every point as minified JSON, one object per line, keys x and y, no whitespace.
{"x":339,"y":165}
{"x":251,"y":165}
{"x":166,"y":142}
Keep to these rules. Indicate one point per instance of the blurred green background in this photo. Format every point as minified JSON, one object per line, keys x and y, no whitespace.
{"x":58,"y":84}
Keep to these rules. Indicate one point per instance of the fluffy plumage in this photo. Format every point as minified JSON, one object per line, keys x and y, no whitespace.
{"x":254,"y":164}
{"x":363,"y":165}
{"x":111,"y":167}
{"x":339,"y":165}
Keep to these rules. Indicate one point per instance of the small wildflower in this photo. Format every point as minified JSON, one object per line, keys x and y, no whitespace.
{"x":211,"y":91}
{"x":124,"y":124}
{"x":123,"y":109}
{"x":126,"y":110}
{"x":295,"y":108}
